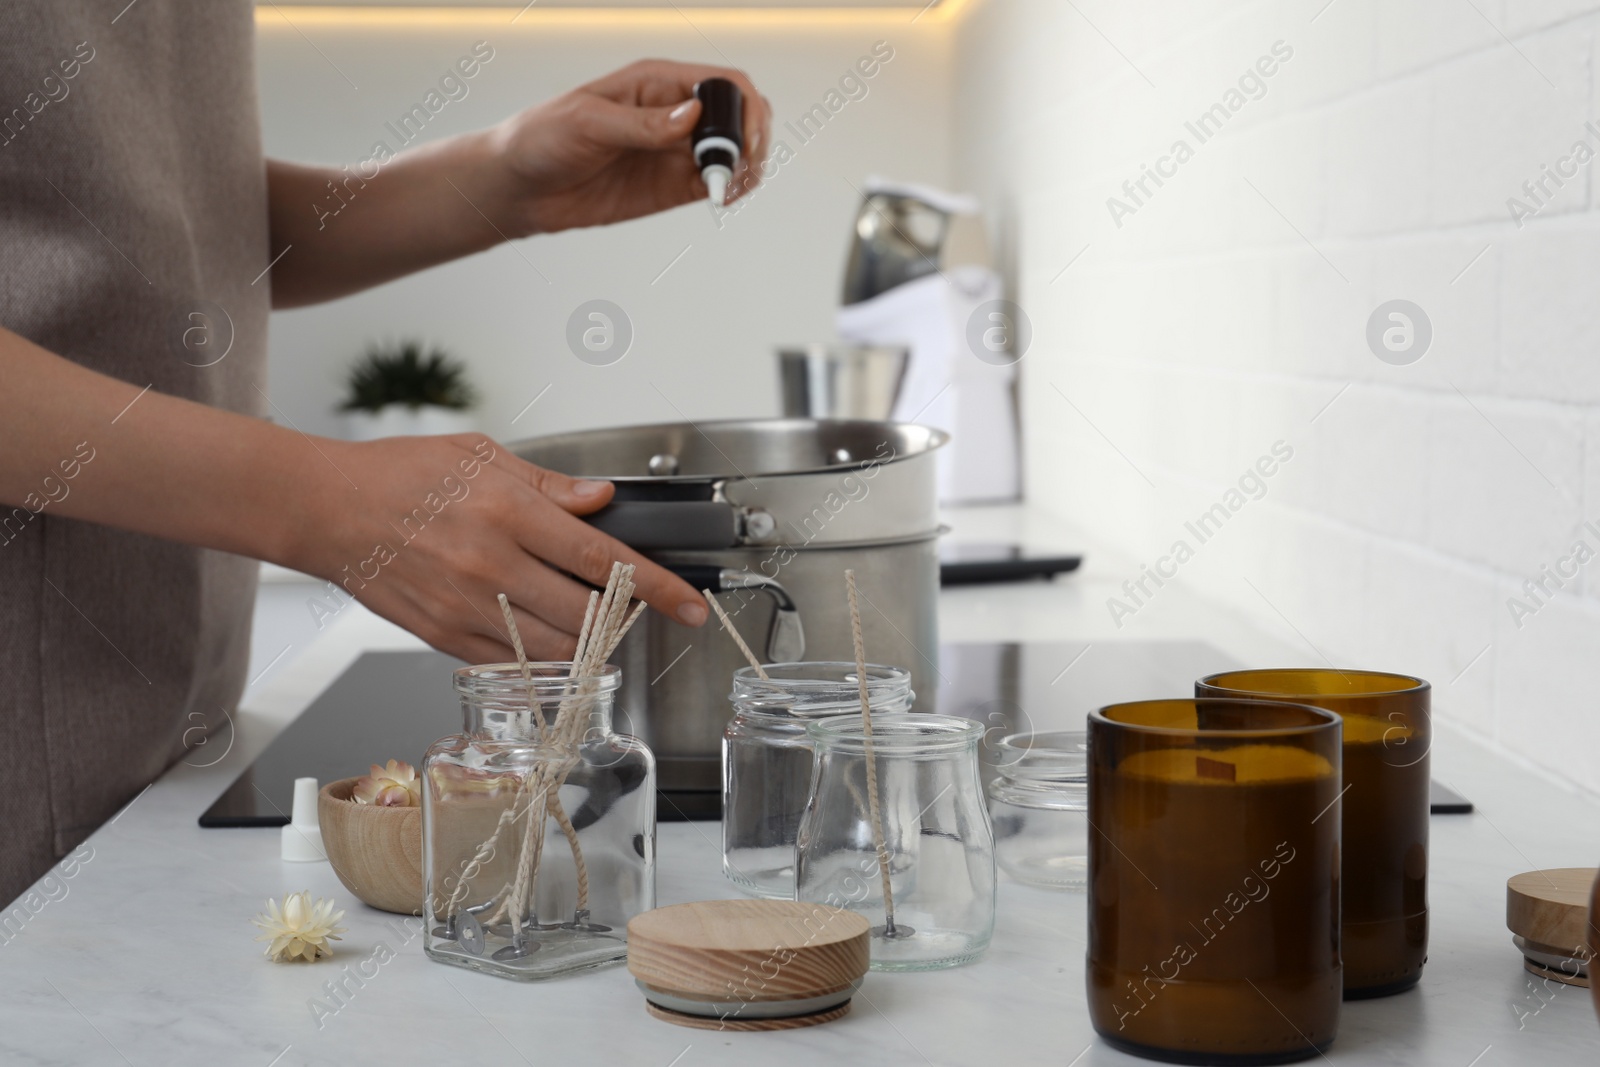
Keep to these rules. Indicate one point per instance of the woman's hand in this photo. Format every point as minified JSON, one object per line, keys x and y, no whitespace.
{"x":619,"y":148}
{"x":426,"y":531}
{"x":611,"y":150}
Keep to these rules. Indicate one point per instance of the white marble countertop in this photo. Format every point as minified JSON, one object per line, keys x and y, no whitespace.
{"x":142,"y":951}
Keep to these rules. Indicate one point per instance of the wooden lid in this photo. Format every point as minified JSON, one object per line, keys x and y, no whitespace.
{"x":748,"y":950}
{"x":1551,"y":907}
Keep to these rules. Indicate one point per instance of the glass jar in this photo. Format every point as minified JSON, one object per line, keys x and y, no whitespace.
{"x":1039,"y":803}
{"x":766,"y":760}
{"x":935,"y":833}
{"x":1384,"y":811}
{"x":538,"y":842}
{"x":1214,"y":880}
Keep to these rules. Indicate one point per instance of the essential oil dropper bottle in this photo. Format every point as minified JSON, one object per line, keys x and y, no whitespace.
{"x":718,"y":137}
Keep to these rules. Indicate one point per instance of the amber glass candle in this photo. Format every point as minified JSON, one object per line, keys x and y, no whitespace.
{"x":1214,"y":879}
{"x":1387,"y":736}
{"x":1594,"y":944}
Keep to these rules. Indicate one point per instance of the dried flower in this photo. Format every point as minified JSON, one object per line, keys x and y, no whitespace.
{"x":395,"y":785}
{"x":299,"y":929}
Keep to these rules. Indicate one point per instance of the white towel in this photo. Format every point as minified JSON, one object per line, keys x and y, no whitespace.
{"x":946,"y":385}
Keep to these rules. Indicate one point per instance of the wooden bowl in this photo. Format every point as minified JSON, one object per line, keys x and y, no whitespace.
{"x":375,"y":851}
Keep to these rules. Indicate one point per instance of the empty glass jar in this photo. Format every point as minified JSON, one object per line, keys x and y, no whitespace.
{"x":1039,"y":803}
{"x":935,"y":833}
{"x":766,"y":760}
{"x":538,"y":842}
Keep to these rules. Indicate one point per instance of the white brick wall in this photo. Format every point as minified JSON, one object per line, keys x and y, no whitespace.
{"x":1228,"y":310}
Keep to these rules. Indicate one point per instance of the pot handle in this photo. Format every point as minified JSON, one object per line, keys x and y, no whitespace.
{"x":651,"y":525}
{"x":786,"y":642}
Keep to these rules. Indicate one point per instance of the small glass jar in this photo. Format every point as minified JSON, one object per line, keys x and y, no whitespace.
{"x":1039,"y":803}
{"x":935,"y":833}
{"x":538,"y":845}
{"x":766,"y":759}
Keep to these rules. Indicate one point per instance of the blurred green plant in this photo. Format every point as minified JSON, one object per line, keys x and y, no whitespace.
{"x":407,"y":373}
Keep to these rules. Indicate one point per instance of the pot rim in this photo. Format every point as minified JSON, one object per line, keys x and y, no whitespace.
{"x":936,"y":439}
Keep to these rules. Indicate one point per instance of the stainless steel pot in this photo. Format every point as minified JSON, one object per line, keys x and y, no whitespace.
{"x":838,"y":381}
{"x":767,"y":514}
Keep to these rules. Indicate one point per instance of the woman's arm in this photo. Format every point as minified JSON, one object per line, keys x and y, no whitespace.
{"x":614,"y":149}
{"x":425,"y":531}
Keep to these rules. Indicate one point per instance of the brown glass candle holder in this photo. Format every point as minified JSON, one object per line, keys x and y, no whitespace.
{"x":1214,"y":880}
{"x":1387,"y":737}
{"x":1594,"y":943}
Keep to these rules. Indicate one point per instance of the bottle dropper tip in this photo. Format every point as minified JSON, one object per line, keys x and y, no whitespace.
{"x":716,"y":179}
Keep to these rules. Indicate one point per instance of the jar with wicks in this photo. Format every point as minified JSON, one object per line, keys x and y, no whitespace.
{"x":766,"y":759}
{"x":538,"y":825}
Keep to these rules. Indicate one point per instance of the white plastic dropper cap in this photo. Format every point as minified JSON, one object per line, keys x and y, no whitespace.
{"x":717,"y":177}
{"x":302,"y":838}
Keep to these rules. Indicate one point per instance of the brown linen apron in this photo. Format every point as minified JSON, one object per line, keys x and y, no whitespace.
{"x":133,"y":221}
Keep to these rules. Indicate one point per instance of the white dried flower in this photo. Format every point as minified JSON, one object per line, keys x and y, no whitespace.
{"x":299,"y":929}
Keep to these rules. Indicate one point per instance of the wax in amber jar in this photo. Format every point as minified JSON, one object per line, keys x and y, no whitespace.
{"x":1386,"y":740}
{"x":1214,"y":880}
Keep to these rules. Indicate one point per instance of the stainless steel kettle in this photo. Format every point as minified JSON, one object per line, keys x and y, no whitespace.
{"x":767,"y":514}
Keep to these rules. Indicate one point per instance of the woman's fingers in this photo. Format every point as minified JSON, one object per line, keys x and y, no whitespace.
{"x":475,"y":650}
{"x":540,"y":640}
{"x":554,"y":534}
{"x":582,"y":551}
{"x":629,"y":126}
{"x":663,"y":83}
{"x":479,"y":618}
{"x":757,"y":132}
{"x":507,"y":526}
{"x":580,"y":496}
{"x":541,"y":591}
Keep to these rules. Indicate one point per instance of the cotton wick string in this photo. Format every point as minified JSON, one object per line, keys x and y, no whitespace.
{"x":583,"y":634}
{"x":522,"y":661}
{"x":727,"y":624}
{"x":479,"y":858}
{"x":574,"y":733}
{"x":873,"y":814}
{"x":550,"y":802}
{"x":570,"y":732}
{"x":508,"y":815}
{"x":604,"y":627}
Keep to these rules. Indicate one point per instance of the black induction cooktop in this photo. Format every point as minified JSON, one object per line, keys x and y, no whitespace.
{"x":386,"y":705}
{"x":395,"y":704}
